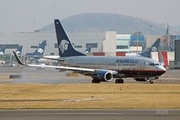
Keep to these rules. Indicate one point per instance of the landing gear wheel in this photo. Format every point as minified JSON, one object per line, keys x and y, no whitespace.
{"x":119,"y":81}
{"x":95,"y":81}
{"x":151,"y":82}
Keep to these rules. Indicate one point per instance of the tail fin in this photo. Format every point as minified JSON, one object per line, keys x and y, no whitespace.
{"x":88,"y":50}
{"x":41,"y":48}
{"x":171,"y":49}
{"x":65,"y":46}
{"x":153,"y":48}
{"x":2,"y":50}
{"x":18,"y":60}
{"x":19,"y":50}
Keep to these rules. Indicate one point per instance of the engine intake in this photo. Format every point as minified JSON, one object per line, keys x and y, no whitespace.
{"x":103,"y":76}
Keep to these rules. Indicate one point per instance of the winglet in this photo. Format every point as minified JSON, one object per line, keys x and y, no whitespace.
{"x":18,"y":60}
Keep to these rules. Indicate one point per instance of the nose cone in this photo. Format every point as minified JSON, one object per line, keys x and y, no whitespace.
{"x":162,"y":69}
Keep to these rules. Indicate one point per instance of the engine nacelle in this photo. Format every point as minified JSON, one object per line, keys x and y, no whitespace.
{"x":103,"y":76}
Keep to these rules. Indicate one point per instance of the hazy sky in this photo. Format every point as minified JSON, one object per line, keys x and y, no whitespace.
{"x":19,"y":15}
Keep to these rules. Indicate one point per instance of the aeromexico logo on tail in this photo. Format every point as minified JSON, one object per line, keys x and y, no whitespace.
{"x":40,"y":50}
{"x":18,"y":53}
{"x":154,"y":49}
{"x":63,"y":46}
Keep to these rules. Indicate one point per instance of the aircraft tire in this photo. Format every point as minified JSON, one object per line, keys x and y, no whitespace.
{"x":95,"y":81}
{"x":119,"y":80}
{"x":151,"y":82}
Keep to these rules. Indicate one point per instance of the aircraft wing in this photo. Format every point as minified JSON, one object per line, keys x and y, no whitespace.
{"x":79,"y":70}
{"x":52,"y":58}
{"x":62,"y":67}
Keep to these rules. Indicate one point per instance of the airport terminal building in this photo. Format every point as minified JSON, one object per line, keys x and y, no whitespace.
{"x":108,"y":41}
{"x":104,"y":43}
{"x":31,"y":40}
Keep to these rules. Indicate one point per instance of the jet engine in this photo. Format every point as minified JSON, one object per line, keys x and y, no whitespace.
{"x":103,"y":76}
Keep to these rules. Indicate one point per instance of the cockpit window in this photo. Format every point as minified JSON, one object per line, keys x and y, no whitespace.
{"x":157,"y":64}
{"x":153,"y":64}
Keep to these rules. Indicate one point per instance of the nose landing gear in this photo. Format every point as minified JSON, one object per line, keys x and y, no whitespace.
{"x":151,"y":82}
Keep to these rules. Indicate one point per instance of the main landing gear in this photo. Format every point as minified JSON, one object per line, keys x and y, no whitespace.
{"x":95,"y":80}
{"x":120,"y":80}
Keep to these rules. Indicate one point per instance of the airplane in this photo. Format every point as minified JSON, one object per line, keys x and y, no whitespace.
{"x":153,"y":48}
{"x":51,"y":58}
{"x":103,"y":68}
{"x":19,"y":50}
{"x":88,"y":50}
{"x":2,"y":50}
{"x":147,"y":53}
{"x":38,"y":52}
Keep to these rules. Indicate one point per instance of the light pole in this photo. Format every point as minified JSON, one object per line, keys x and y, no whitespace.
{"x":150,"y":28}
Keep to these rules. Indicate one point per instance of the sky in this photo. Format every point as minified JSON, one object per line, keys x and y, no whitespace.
{"x":27,"y":15}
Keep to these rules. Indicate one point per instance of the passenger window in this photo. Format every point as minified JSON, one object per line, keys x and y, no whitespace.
{"x":152,"y":64}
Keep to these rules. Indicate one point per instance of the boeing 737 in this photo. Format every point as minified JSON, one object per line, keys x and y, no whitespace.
{"x":52,"y":58}
{"x":2,"y":50}
{"x":88,"y":50}
{"x":103,"y":68}
{"x":153,"y":48}
{"x":19,"y":50}
{"x":38,"y":52}
{"x":147,"y":53}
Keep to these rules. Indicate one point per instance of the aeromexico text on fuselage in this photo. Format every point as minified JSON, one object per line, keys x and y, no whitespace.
{"x":127,"y":61}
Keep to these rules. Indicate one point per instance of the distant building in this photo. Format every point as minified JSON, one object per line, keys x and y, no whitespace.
{"x":108,"y":41}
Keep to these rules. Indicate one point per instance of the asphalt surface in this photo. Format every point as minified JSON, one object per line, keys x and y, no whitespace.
{"x":91,"y":114}
{"x":52,"y":76}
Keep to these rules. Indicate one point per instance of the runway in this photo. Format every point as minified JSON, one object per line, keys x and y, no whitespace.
{"x":92,"y":114}
{"x":52,"y":76}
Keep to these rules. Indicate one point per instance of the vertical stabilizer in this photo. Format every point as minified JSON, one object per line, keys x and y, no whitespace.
{"x":19,"y":50}
{"x":41,"y":48}
{"x":2,"y":50}
{"x":153,"y":48}
{"x":65,"y":46}
{"x":39,"y":51}
{"x":88,"y":50}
